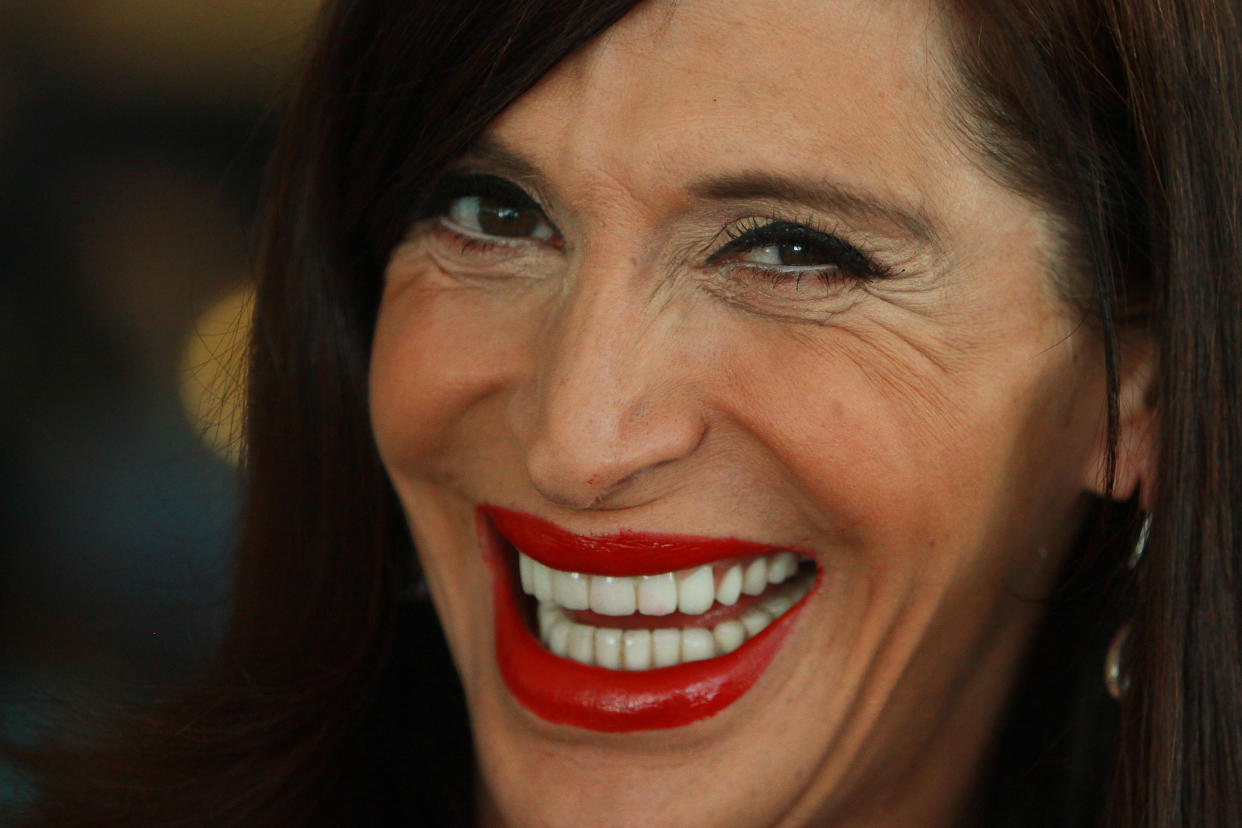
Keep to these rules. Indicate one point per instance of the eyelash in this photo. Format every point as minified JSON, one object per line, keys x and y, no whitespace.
{"x":454,"y":186}
{"x":841,"y":260}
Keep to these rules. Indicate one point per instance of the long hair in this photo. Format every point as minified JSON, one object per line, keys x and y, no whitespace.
{"x":1125,"y":118}
{"x":1122,"y":118}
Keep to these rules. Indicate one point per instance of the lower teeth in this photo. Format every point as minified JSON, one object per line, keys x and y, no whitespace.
{"x":643,"y":649}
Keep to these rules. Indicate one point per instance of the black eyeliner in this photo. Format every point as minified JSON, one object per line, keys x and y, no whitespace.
{"x":453,"y":185}
{"x":836,"y":251}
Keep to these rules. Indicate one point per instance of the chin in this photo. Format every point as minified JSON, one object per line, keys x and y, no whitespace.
{"x":618,"y":673}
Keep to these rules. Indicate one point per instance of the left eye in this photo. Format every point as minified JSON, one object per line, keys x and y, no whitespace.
{"x":790,"y":254}
{"x":485,"y":215}
{"x":784,"y":246}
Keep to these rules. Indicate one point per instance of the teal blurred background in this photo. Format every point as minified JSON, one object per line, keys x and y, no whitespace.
{"x":132,"y":139}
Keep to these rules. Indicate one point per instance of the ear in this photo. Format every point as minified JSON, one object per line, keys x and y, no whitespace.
{"x":1136,"y":438}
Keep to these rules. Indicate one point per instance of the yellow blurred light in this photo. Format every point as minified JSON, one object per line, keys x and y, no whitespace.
{"x":213,"y":373}
{"x":216,"y":50}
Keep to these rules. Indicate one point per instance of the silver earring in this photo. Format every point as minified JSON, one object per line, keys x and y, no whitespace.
{"x":1116,"y":660}
{"x":1140,"y":546}
{"x":1116,"y":672}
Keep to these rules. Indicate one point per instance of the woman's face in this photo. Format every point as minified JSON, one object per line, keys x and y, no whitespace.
{"x":724,"y":284}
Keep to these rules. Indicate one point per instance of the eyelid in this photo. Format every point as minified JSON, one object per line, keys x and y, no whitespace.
{"x":756,"y":232}
{"x":453,"y":184}
{"x":754,"y":235}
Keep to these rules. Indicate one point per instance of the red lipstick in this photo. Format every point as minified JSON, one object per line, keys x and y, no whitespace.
{"x":625,"y":553}
{"x":596,"y":698}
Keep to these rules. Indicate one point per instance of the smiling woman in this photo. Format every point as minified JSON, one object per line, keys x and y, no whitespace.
{"x":773,"y":393}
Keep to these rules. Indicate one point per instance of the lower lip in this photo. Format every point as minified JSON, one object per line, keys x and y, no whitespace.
{"x":616,"y":701}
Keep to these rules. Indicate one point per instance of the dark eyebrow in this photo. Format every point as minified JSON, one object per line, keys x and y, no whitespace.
{"x":489,"y":151}
{"x":749,"y":186}
{"x":825,"y":196}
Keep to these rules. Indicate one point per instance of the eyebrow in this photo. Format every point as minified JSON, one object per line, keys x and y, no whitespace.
{"x":826,"y":196}
{"x":488,"y":150}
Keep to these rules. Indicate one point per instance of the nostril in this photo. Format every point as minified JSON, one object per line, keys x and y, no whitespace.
{"x":605,"y":487}
{"x":608,"y":493}
{"x":594,"y":419}
{"x":595,"y":490}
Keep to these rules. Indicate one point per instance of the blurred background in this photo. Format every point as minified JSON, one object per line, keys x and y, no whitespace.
{"x":132,"y":139}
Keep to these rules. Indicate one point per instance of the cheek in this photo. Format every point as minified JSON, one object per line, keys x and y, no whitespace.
{"x":903,"y":458}
{"x":439,"y":355}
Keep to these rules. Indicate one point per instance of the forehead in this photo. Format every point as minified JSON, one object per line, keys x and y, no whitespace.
{"x":850,"y":90}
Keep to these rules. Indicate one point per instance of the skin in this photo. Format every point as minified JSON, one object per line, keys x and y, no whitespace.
{"x":932,"y":436}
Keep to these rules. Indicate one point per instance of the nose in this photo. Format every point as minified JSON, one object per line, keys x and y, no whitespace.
{"x":605,"y":404}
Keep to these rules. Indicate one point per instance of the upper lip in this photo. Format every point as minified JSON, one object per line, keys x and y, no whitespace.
{"x":623,"y":553}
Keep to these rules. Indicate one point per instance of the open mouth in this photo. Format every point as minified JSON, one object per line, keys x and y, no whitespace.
{"x":635,"y":631}
{"x":650,"y":621}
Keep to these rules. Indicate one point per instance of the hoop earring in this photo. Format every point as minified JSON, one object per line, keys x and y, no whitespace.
{"x":1116,"y":660}
{"x":1116,"y":672}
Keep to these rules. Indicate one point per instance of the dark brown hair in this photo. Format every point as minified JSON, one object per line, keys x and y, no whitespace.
{"x":1125,"y":118}
{"x":325,"y":704}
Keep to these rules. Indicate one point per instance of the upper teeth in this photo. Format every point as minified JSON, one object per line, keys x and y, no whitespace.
{"x":690,"y":591}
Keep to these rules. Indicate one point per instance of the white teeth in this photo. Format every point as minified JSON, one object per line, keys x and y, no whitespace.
{"x":608,"y":648}
{"x":582,"y":643}
{"x":613,"y":595}
{"x":525,"y":570}
{"x":755,"y":580}
{"x":558,"y":637}
{"x":570,"y":589}
{"x":697,"y":644}
{"x":776,"y":605}
{"x":730,"y":587}
{"x":657,"y":594}
{"x":691,"y":592}
{"x":549,"y":613}
{"x":645,"y":649}
{"x":665,"y":647}
{"x":636,"y":649}
{"x":729,"y":636}
{"x":697,"y":591}
{"x":541,"y":581}
{"x":783,"y":565}
{"x":755,"y":620}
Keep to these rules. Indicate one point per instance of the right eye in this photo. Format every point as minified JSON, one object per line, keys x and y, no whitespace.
{"x":484,"y":215}
{"x":488,"y":209}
